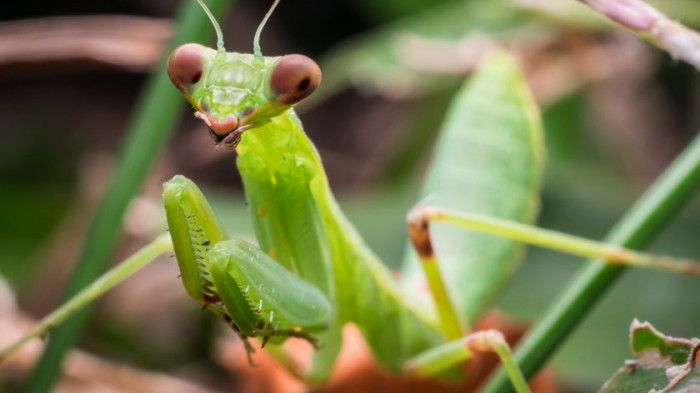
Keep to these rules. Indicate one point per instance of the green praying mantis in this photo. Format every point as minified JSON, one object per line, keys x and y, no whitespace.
{"x":310,"y":272}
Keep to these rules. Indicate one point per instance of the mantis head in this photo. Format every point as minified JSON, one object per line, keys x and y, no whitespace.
{"x":234,"y":92}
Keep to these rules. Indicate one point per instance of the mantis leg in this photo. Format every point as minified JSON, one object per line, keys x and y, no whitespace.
{"x":419,"y":217}
{"x":459,"y":349}
{"x":444,"y":356}
{"x":263,"y":298}
{"x":256,"y":294}
{"x":251,"y":291}
{"x":106,"y":282}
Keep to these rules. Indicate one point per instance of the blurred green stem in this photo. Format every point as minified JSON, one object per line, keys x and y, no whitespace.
{"x":643,"y":220}
{"x":157,"y":110}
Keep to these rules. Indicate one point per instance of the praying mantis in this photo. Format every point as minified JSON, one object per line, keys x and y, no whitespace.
{"x":311,"y":272}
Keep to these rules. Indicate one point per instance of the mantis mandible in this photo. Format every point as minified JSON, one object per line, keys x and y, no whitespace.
{"x":311,"y":272}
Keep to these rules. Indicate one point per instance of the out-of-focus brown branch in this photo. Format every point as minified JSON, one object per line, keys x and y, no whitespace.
{"x":650,"y":24}
{"x":115,"y":41}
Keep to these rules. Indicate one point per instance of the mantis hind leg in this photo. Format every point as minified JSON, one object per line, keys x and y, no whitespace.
{"x":420,"y":216}
{"x":459,"y":349}
{"x":442,"y":357}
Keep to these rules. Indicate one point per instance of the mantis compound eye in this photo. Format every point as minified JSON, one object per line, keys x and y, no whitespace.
{"x":185,"y":65}
{"x":294,"y":78}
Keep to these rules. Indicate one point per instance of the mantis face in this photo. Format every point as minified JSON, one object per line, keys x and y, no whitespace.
{"x":233,"y":92}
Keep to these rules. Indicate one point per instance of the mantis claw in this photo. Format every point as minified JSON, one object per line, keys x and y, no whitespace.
{"x":249,"y":350}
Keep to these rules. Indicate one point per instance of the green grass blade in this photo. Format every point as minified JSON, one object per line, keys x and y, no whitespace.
{"x":488,"y":159}
{"x":158,"y":110}
{"x":648,"y":216}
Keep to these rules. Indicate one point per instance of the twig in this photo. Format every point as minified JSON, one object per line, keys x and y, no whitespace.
{"x":653,"y":26}
{"x":129,"y":42}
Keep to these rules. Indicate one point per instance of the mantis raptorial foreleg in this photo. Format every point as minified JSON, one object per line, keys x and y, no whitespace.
{"x":250,"y":290}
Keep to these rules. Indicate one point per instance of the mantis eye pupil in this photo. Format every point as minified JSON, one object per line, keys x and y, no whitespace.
{"x":196,"y":77}
{"x":304,"y":84}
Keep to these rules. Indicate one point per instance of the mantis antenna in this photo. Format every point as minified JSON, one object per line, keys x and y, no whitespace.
{"x":256,"y":40}
{"x":219,"y":37}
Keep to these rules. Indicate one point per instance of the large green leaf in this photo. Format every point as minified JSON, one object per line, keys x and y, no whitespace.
{"x":488,"y":159}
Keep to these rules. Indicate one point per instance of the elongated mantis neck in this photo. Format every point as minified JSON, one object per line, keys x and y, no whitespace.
{"x":256,"y":40}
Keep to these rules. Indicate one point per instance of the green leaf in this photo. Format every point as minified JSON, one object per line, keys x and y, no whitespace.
{"x":663,"y":364}
{"x":488,"y":159}
{"x":383,"y":60}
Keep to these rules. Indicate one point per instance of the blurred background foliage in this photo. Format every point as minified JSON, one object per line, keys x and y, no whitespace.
{"x":616,"y":112}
